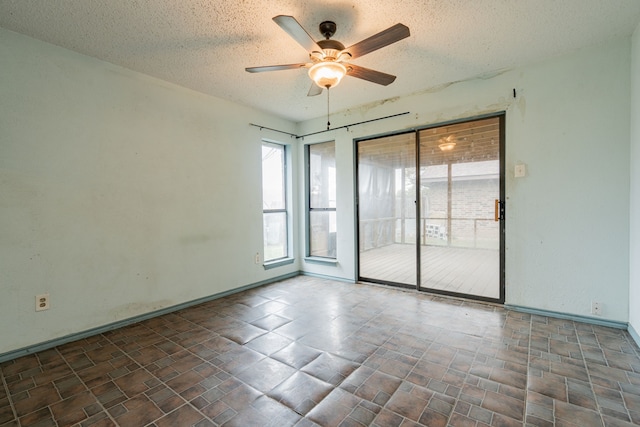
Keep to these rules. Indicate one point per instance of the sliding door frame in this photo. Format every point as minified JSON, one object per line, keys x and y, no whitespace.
{"x":502,"y":184}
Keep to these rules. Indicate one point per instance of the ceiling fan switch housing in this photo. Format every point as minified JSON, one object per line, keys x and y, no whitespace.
{"x":331,"y":45}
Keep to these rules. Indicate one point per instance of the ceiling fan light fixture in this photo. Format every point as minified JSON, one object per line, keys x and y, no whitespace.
{"x":448,"y":143}
{"x":447,"y":146}
{"x":327,"y":74}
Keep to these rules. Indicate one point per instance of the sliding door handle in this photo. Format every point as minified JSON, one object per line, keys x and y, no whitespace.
{"x":499,"y":210}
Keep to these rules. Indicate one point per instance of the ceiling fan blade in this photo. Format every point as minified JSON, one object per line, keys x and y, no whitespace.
{"x":314,"y":90}
{"x":380,"y":40}
{"x":274,"y":68}
{"x":370,"y":75}
{"x":299,"y":34}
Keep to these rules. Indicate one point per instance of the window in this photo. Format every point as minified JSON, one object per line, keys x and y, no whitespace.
{"x":321,"y":181}
{"x":274,"y":202}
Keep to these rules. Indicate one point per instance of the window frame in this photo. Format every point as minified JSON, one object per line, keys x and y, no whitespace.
{"x":309,"y":209}
{"x":286,"y":188}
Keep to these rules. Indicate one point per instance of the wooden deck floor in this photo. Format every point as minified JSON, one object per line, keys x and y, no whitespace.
{"x":461,"y":270}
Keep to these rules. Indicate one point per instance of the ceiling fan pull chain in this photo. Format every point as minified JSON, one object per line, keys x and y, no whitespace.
{"x":328,"y":122}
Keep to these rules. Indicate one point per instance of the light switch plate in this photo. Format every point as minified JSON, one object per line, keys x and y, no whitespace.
{"x":520,"y":171}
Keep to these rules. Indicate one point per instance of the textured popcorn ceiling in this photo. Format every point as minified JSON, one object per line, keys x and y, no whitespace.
{"x":205,"y":45}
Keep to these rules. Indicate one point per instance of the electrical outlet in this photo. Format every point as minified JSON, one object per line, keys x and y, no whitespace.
{"x":596,"y":308}
{"x":42,"y":302}
{"x":257,"y":258}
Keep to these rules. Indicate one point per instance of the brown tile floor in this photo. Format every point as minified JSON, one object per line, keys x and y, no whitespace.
{"x":311,"y":352}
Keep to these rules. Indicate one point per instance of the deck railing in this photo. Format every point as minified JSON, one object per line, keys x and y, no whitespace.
{"x":380,"y":232}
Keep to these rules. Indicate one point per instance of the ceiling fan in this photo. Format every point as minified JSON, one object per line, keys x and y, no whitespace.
{"x":329,"y":57}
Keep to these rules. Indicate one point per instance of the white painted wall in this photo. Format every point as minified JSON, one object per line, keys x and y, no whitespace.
{"x":634,"y":279}
{"x":119,"y":194}
{"x":568,"y":220}
{"x":116,"y":196}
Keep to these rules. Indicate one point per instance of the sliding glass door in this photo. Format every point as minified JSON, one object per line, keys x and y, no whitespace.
{"x":387,"y":209}
{"x":429,"y":208}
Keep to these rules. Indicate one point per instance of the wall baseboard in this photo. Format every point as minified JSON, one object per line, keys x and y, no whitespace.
{"x":324,"y":276}
{"x":14,"y":354}
{"x":575,"y":317}
{"x":634,"y":334}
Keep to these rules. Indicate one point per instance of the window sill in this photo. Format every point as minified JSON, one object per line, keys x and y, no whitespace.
{"x":320,"y":260}
{"x":277,"y":263}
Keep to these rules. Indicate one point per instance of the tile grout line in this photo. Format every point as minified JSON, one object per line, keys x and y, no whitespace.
{"x":480,"y":378}
{"x":75,"y":372}
{"x":187,"y":349}
{"x":624,"y":403}
{"x":375,"y":370}
{"x":116,"y":385}
{"x":360,"y":364}
{"x":9,"y":398}
{"x":636,"y":351}
{"x":265,"y":357}
{"x":401,"y":379}
{"x":186,"y":402}
{"x":586,"y":367}
{"x":231,"y":375}
{"x":526,"y":385}
{"x":298,"y":370}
